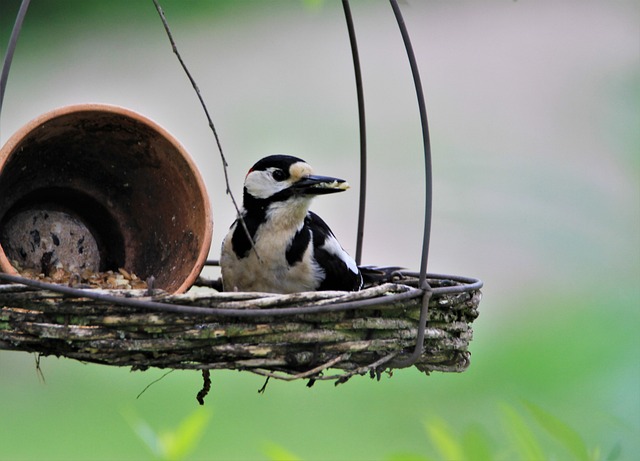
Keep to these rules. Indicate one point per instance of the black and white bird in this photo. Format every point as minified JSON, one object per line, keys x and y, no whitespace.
{"x":293,"y":249}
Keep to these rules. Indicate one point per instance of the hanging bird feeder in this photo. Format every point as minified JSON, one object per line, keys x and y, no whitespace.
{"x":413,"y":319}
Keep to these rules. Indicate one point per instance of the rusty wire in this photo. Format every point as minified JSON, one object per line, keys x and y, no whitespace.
{"x":11,"y":47}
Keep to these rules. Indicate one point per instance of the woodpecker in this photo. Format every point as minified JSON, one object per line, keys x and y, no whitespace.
{"x":291,"y":248}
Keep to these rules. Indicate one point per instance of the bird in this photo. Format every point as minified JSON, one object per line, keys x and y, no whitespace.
{"x":277,"y":245}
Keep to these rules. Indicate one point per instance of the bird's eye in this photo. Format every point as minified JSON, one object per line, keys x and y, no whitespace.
{"x":279,"y":175}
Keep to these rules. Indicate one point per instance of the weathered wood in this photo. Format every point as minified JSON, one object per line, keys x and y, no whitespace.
{"x":365,"y":339}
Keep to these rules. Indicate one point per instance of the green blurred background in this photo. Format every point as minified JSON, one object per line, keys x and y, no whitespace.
{"x":534,"y":116}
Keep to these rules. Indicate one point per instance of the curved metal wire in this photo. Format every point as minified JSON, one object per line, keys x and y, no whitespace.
{"x":422,"y":330}
{"x":422,"y":324}
{"x":425,"y":137}
{"x":363,"y":130}
{"x":11,"y":47}
{"x":469,"y":285}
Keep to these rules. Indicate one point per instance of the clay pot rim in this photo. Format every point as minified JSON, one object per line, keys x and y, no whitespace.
{"x":16,"y":138}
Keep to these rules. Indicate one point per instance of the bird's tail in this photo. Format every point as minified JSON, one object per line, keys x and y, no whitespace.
{"x":374,"y":275}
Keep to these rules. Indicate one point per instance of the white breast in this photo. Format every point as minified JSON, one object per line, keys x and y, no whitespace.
{"x":266,"y":269}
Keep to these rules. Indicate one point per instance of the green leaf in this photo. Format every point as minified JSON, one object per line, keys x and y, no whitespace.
{"x":560,"y":431}
{"x":171,"y":445}
{"x":276,"y":452}
{"x":477,"y":443}
{"x":444,"y":439}
{"x":179,"y":443}
{"x":525,"y":440}
{"x":143,"y":431}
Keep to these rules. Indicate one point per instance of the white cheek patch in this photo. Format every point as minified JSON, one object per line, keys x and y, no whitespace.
{"x":261,"y":184}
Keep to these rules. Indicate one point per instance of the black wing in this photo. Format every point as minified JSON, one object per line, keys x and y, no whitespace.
{"x":341,"y":272}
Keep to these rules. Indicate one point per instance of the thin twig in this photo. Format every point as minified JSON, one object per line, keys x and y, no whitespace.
{"x":306,"y":374}
{"x":359,"y":371}
{"x":38,"y":369}
{"x":264,"y":386}
{"x":174,"y":47}
{"x":153,"y":382}
{"x":225,"y":164}
{"x":314,"y":373}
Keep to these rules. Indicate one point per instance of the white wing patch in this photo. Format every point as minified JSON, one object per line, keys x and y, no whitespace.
{"x":332,"y":246}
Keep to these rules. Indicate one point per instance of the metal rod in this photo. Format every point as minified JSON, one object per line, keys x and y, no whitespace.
{"x":425,"y":138}
{"x":363,"y":130}
{"x":422,"y":324}
{"x":11,"y":47}
{"x":422,"y":327}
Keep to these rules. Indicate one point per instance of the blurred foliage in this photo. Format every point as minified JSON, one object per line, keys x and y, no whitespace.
{"x":57,"y":22}
{"x":518,"y":438}
{"x":65,"y":12}
{"x":277,"y":452}
{"x":174,"y":444}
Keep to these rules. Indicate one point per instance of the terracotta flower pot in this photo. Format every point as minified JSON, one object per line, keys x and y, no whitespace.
{"x":101,"y":187}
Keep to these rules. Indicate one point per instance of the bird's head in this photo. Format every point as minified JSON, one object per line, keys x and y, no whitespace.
{"x":283,"y":178}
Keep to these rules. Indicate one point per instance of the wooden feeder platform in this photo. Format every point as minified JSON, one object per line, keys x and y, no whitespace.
{"x":295,"y":336}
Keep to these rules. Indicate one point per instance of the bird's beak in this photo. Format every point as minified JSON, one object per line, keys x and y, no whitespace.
{"x":319,"y":185}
